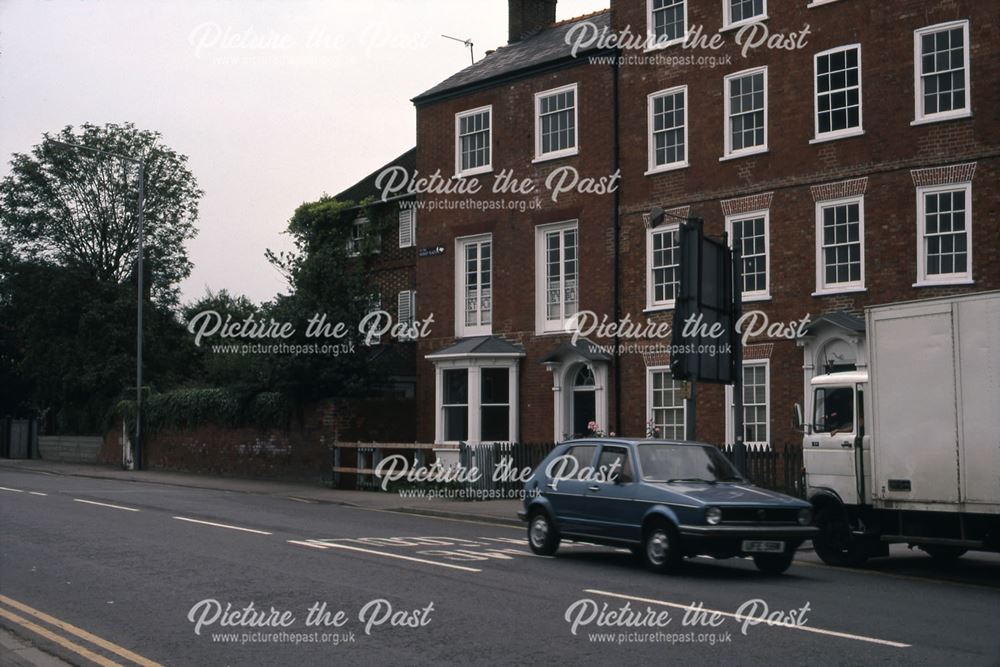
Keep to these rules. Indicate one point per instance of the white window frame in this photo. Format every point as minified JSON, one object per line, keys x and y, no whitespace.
{"x":652,"y":167}
{"x":919,"y":117}
{"x":461,"y":329}
{"x":838,"y":288}
{"x":757,"y":295}
{"x":483,"y":169}
{"x":731,"y":407}
{"x":651,"y":40}
{"x":542,"y":323}
{"x":923,"y":280}
{"x":649,"y":398}
{"x":651,"y":303}
{"x":474,"y":366}
{"x":730,"y":154}
{"x":565,"y":152}
{"x":407,"y":220}
{"x":727,"y":16}
{"x":818,"y":136}
{"x":820,"y":3}
{"x":356,"y":245}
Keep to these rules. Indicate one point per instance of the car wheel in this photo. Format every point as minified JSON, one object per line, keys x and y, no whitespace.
{"x":834,"y":544}
{"x":943,"y":553}
{"x":661,"y":547}
{"x":773,"y":563}
{"x":543,"y":537}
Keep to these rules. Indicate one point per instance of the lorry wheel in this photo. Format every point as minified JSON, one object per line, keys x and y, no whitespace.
{"x":834,"y":544}
{"x":543,"y":537}
{"x":943,"y":553}
{"x":773,"y":563}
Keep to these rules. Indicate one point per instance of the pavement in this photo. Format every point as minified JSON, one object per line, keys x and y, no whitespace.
{"x":113,"y":568}
{"x":488,"y":511}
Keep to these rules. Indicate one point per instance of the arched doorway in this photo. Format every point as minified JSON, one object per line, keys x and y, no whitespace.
{"x":584,"y":402}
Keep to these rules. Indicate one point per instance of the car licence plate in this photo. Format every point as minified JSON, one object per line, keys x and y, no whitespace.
{"x":763,"y":546}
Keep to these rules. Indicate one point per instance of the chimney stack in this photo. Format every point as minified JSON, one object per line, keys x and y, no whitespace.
{"x":528,"y":17}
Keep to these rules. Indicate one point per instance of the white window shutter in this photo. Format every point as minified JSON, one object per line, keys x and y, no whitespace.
{"x":407,"y":309}
{"x":406,"y":227}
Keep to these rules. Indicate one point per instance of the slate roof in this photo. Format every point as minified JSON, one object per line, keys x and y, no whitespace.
{"x":841,"y":319}
{"x":479,"y":346}
{"x":584,"y":348}
{"x":542,"y":49}
{"x":366,"y":186}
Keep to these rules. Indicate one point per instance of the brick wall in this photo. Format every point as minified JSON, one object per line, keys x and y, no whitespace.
{"x":884,"y":164}
{"x":300,"y":451}
{"x":513,"y":231}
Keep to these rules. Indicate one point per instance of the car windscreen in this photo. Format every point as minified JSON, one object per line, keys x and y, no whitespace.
{"x":666,"y":462}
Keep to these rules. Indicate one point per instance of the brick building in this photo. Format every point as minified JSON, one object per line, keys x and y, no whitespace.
{"x":857,"y":160}
{"x":387,"y":228}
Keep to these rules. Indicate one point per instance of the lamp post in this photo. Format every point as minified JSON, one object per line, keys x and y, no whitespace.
{"x":136,"y":462}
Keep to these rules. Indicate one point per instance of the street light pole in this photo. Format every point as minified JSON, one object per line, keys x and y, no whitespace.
{"x":136,"y":462}
{"x":137,"y":453}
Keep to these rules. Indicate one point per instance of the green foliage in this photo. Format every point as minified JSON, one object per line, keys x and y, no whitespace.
{"x":189,"y":408}
{"x":68,"y":249}
{"x":325,"y":278}
{"x":78,"y":208}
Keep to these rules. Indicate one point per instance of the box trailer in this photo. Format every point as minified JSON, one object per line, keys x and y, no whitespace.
{"x":907,"y":450}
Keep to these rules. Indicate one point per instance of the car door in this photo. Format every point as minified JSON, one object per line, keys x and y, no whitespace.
{"x":567,"y":495}
{"x":610,"y":509}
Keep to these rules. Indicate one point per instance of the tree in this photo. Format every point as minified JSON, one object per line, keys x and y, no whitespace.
{"x":75,"y":208}
{"x":326,"y":279}
{"x":68,"y":249}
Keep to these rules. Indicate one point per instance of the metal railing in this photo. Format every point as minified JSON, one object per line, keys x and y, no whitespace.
{"x":775,"y":469}
{"x":502,"y":464}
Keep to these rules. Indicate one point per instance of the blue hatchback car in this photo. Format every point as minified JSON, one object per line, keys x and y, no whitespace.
{"x":665,"y":500}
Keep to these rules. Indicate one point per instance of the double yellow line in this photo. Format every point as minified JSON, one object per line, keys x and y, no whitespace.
{"x":53,"y":634}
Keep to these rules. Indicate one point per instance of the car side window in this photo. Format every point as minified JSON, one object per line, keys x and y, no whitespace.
{"x":615,"y":464}
{"x":584,"y":455}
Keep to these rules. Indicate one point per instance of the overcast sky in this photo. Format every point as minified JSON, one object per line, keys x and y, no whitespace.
{"x":274,"y":101}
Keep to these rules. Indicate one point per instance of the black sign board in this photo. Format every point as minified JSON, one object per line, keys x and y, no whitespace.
{"x":704,"y":337}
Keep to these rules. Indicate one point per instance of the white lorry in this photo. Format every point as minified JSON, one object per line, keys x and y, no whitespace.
{"x":908,"y":451}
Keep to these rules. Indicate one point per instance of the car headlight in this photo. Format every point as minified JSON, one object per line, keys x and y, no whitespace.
{"x":713,"y":515}
{"x":805,"y":516}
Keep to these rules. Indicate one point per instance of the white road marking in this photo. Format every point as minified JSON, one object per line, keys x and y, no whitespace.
{"x":307,"y":544}
{"x":37,"y":493}
{"x":4,"y":488}
{"x":222,"y":525}
{"x":803,"y":628}
{"x":301,"y":500}
{"x":94,"y":502}
{"x":328,"y":545}
{"x":439,"y":518}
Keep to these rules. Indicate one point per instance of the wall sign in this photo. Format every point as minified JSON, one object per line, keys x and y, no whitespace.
{"x":431,"y":251}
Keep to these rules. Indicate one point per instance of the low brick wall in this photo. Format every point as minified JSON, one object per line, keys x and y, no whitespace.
{"x":301,"y":451}
{"x":70,"y":448}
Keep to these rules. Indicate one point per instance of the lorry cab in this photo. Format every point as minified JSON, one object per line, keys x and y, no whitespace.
{"x":836,"y":448}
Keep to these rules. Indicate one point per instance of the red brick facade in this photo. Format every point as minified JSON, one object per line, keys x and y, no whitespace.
{"x":885,"y":165}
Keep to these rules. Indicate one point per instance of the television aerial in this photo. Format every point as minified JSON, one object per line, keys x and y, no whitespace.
{"x":466,"y":42}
